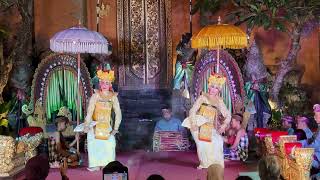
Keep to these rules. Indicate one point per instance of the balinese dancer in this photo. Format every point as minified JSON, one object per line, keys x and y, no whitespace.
{"x":204,"y":123}
{"x":101,"y":137}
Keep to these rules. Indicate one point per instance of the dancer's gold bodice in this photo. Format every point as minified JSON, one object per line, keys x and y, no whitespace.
{"x":210,"y":108}
{"x":208,"y":112}
{"x":102,"y":115}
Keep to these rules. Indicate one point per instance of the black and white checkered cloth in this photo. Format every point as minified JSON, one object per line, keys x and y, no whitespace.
{"x":241,"y":153}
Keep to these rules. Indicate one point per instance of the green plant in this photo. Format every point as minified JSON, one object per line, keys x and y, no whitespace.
{"x":275,"y":122}
{"x":295,"y":100}
{"x":206,"y":6}
{"x":288,"y":16}
{"x":5,"y":128}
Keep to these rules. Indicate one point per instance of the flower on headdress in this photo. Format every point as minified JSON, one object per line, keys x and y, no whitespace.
{"x":105,"y":73}
{"x":216,"y":80}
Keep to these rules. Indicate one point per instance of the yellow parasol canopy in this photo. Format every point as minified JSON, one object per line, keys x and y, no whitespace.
{"x":220,"y":36}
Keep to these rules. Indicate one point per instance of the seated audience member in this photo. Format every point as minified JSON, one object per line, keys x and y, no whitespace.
{"x":301,"y":134}
{"x":115,"y":166}
{"x":167,"y":122}
{"x":244,"y":178}
{"x":269,"y":168}
{"x":288,"y":124}
{"x":37,"y":168}
{"x":302,"y":123}
{"x":64,"y":149}
{"x":239,"y":148}
{"x":215,"y":172}
{"x":314,"y":141}
{"x":155,"y":177}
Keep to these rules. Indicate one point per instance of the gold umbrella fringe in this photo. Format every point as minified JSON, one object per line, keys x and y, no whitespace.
{"x":220,"y":36}
{"x":214,"y":42}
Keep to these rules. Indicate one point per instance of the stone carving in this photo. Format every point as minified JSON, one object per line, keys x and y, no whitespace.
{"x":144,"y":42}
{"x":152,"y":38}
{"x":37,"y":117}
{"x":137,"y":58}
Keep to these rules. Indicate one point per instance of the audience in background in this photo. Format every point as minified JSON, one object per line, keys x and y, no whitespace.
{"x":302,"y":123}
{"x":301,"y":135}
{"x":314,"y":141}
{"x":215,"y":172}
{"x":244,"y":178}
{"x":269,"y":169}
{"x":37,"y":168}
{"x":288,"y":124}
{"x":116,"y":167}
{"x":155,"y":177}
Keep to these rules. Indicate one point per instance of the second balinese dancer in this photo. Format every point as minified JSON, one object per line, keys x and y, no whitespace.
{"x":101,"y":139}
{"x":203,"y":122}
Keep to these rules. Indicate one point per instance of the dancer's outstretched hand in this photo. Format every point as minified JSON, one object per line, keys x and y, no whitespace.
{"x":193,"y":127}
{"x":86,"y":129}
{"x":114,"y":132}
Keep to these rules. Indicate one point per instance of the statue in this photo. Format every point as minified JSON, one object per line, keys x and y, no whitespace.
{"x":256,"y":89}
{"x":35,"y":117}
{"x":184,"y":65}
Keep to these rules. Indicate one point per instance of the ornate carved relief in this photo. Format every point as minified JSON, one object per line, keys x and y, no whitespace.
{"x":152,"y":38}
{"x":144,"y":43}
{"x":137,"y":38}
{"x":168,"y":14}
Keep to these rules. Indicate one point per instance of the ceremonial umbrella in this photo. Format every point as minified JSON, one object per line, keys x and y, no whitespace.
{"x":79,"y":40}
{"x":220,"y":36}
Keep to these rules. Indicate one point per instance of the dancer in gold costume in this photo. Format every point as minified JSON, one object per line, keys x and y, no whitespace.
{"x":203,"y":122}
{"x":101,"y":139}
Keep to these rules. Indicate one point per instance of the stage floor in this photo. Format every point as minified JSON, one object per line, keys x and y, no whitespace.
{"x":171,"y":165}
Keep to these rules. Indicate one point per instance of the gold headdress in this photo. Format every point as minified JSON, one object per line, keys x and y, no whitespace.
{"x":106,"y":75}
{"x":216,"y":80}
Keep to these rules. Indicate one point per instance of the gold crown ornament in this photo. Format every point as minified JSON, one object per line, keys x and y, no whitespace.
{"x":216,"y":80}
{"x":106,"y":75}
